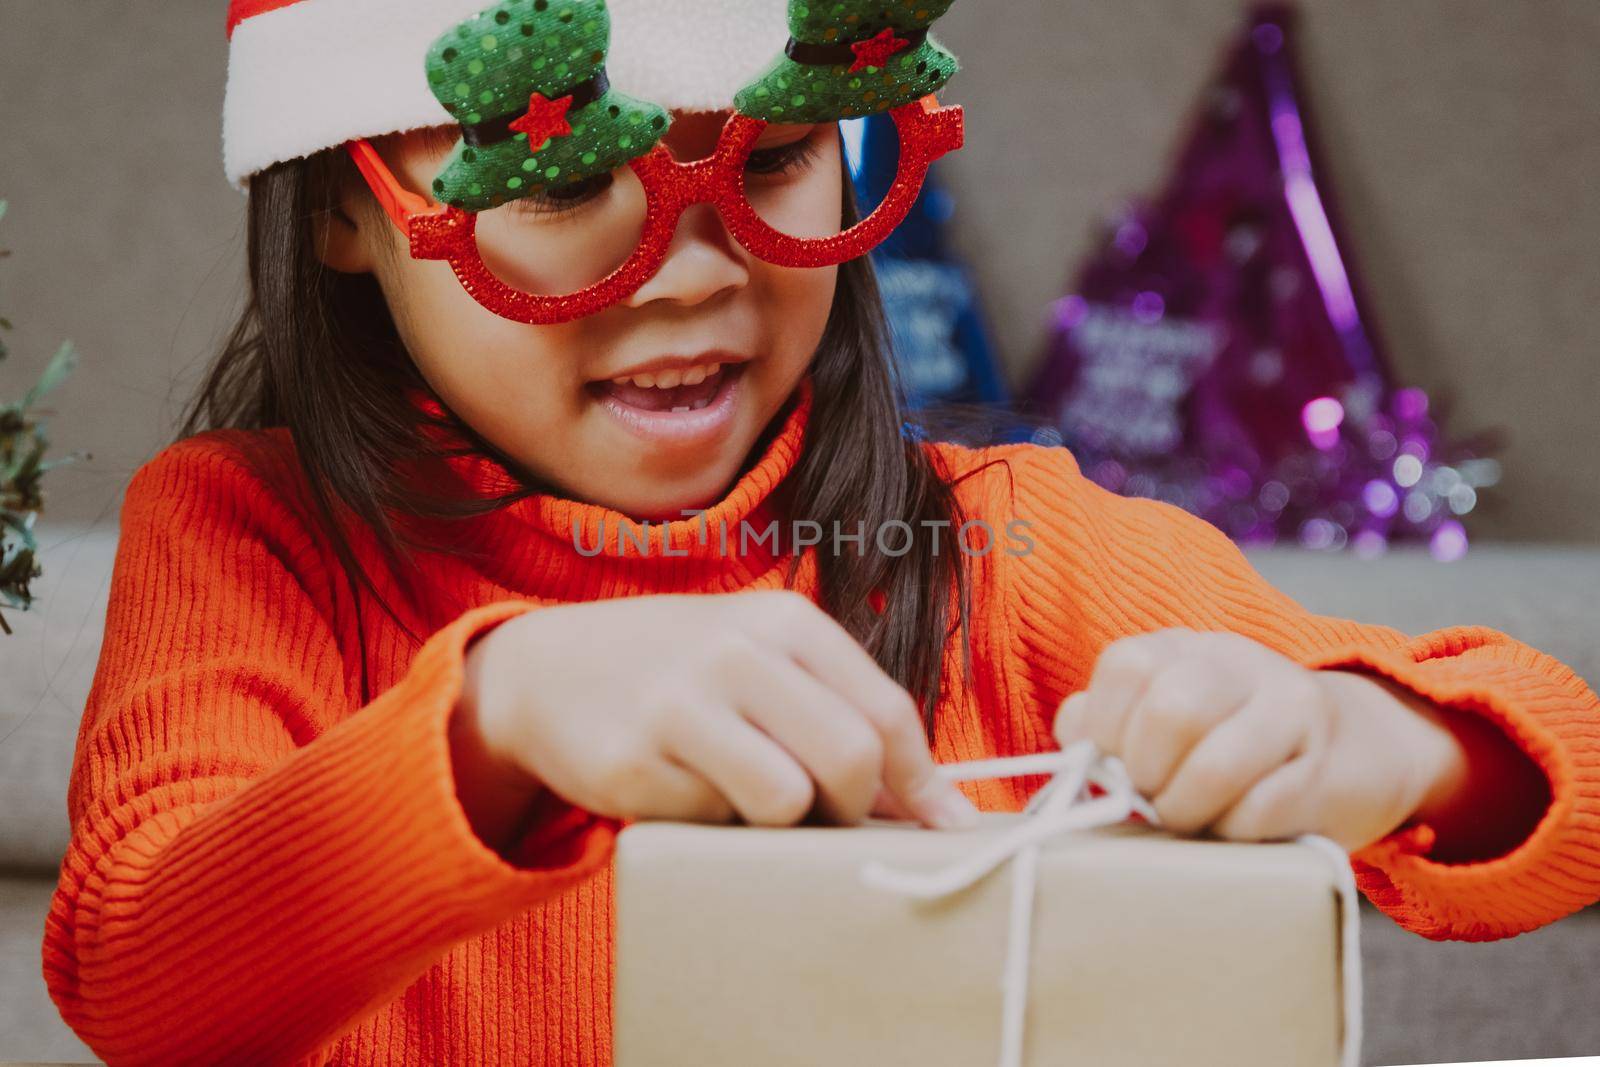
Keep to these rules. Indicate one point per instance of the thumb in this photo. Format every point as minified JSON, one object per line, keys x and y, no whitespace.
{"x":911,"y":774}
{"x":934,"y":801}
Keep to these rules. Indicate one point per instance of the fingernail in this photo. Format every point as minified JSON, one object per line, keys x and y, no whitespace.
{"x":953,"y":811}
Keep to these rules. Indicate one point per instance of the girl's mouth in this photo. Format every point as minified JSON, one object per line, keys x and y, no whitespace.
{"x":678,"y":414}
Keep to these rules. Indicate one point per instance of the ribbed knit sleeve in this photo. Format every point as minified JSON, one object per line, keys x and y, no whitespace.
{"x":1104,"y":566}
{"x":255,"y":862}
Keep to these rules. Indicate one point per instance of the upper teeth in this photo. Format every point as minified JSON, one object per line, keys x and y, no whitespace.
{"x":671,"y":379}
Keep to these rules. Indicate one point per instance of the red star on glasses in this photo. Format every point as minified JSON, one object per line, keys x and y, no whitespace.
{"x":875,"y":51}
{"x":545,"y":119}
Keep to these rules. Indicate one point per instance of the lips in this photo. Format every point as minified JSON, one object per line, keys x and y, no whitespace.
{"x":682,"y":416}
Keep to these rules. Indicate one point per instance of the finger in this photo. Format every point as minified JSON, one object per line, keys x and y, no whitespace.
{"x":1120,"y":675}
{"x":1179,"y":707}
{"x":763,"y":783}
{"x":1069,"y":726}
{"x":832,"y":741}
{"x":1227,"y":762}
{"x":1277,"y":806}
{"x":829,"y":653}
{"x":909,"y":771}
{"x":888,"y":806}
{"x":681,"y":795}
{"x":651,"y":784}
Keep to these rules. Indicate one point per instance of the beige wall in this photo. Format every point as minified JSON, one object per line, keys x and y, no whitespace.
{"x":1463,"y":138}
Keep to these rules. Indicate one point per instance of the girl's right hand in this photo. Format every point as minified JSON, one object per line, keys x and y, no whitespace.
{"x":703,"y":708}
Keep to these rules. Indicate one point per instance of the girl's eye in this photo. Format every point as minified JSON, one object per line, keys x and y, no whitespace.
{"x":783,"y":159}
{"x":564,"y":198}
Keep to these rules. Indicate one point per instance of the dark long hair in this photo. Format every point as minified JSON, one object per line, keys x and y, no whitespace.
{"x":316,"y":351}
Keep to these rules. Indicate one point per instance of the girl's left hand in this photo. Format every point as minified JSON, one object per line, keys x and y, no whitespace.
{"x":1221,"y":733}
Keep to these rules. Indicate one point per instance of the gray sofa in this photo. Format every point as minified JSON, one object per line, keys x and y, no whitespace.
{"x":1426,"y":1002}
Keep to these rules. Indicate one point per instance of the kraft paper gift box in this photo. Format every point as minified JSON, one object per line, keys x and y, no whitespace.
{"x":764,"y":946}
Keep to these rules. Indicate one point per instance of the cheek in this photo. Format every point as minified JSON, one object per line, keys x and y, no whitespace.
{"x":802,"y":299}
{"x":796,"y":313}
{"x":497,"y":374}
{"x":807,"y":296}
{"x":820,"y":197}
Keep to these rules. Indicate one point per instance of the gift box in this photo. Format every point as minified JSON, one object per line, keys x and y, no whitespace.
{"x":1121,"y":946}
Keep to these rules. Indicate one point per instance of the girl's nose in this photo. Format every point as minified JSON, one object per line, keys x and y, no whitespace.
{"x":702,"y":261}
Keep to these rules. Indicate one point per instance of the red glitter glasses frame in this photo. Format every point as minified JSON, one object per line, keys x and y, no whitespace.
{"x":927,"y":132}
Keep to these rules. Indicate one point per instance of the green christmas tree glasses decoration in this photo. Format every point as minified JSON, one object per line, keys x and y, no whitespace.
{"x":526,"y":80}
{"x":851,"y":58}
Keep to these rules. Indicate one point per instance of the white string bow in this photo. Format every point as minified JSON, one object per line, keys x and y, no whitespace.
{"x":1061,"y":806}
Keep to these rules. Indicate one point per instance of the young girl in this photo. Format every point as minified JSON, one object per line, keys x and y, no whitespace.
{"x":473,"y":550}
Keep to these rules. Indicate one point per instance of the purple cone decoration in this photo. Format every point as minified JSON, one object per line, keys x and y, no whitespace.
{"x":1216,"y":353}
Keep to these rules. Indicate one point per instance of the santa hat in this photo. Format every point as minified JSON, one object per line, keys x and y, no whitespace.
{"x":304,"y":75}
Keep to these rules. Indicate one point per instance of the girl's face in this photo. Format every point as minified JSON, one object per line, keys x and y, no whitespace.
{"x":586,"y":405}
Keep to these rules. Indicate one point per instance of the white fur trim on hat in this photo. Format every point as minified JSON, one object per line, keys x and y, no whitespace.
{"x":316,"y":73}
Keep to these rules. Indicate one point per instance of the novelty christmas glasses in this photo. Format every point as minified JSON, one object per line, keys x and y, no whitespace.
{"x":560,"y":199}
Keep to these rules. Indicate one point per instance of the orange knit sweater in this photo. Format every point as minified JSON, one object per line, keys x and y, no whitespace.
{"x":263,"y":870}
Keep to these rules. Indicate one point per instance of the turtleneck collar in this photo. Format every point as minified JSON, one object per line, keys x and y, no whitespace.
{"x":587,"y":532}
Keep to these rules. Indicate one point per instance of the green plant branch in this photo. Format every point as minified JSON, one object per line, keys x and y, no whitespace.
{"x":22,"y":468}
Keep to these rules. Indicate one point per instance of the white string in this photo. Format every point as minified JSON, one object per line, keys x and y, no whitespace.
{"x":1063,"y":805}
{"x":1344,"y":880}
